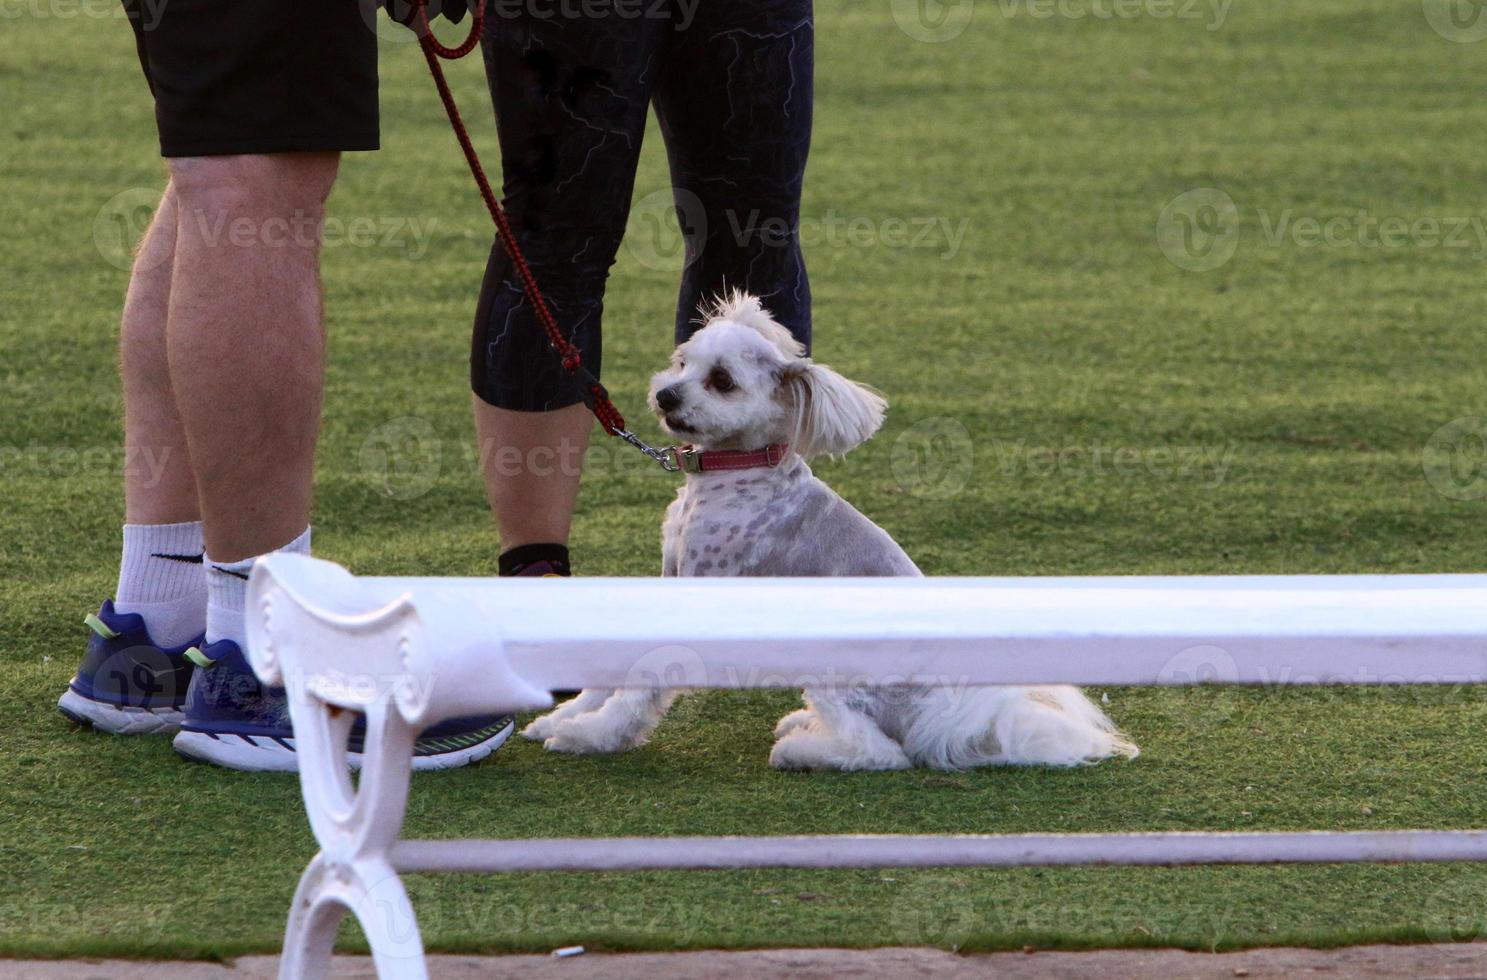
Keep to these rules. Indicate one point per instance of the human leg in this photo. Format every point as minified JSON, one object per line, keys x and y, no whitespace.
{"x":570,"y":95}
{"x":734,"y":98}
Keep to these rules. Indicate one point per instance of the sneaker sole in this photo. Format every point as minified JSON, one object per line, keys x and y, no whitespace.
{"x":119,"y":721}
{"x":262,"y":754}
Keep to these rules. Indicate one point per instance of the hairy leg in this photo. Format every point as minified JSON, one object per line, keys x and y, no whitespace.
{"x":532,"y":463}
{"x":839,"y":737}
{"x":800,"y":718}
{"x":590,"y":699}
{"x":625,"y":721}
{"x":245,"y":343}
{"x":159,"y":487}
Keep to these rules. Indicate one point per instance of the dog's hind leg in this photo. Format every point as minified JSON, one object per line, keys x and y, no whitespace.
{"x":1053,"y":725}
{"x":835,"y":737}
{"x":625,"y":721}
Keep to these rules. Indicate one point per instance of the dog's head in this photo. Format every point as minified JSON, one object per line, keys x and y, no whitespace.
{"x":743,"y":382}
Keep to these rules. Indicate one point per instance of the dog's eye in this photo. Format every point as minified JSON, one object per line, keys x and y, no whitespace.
{"x":720,"y":380}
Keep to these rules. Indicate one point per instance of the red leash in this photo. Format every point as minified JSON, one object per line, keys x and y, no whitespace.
{"x":595,"y":394}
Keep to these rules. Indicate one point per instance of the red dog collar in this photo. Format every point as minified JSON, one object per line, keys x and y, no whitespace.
{"x":691,"y":460}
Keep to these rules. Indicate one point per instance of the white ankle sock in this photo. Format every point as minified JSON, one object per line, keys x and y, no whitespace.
{"x":227,"y":588}
{"x":162,"y":579}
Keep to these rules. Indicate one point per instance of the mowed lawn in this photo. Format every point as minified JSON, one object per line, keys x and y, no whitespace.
{"x":1072,"y":394}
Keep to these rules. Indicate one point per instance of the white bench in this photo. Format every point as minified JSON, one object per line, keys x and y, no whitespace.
{"x":410,"y":652}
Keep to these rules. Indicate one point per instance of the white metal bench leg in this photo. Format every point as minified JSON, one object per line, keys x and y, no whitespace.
{"x":314,"y":918}
{"x":356,"y":829}
{"x":375,"y":895}
{"x":399,"y":659}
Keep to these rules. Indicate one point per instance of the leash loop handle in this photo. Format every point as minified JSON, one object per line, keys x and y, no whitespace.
{"x":425,"y":31}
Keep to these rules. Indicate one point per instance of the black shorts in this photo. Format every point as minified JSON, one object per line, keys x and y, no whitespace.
{"x":259,"y":76}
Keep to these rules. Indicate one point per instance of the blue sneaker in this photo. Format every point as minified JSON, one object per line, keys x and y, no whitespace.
{"x":234,"y":720}
{"x":127,"y":684}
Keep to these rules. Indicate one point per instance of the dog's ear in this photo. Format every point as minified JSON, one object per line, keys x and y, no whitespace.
{"x":832,"y":414}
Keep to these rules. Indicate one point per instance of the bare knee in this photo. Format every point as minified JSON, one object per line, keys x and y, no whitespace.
{"x":283,"y":186}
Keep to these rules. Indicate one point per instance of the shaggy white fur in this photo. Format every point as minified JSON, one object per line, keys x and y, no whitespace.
{"x":740,"y":383}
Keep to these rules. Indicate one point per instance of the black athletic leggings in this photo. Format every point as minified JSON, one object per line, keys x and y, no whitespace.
{"x":571,"y":81}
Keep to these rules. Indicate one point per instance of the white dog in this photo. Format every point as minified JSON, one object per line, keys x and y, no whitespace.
{"x":741,"y":391}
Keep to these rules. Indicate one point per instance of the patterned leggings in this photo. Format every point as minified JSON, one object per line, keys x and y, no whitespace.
{"x":571,"y":81}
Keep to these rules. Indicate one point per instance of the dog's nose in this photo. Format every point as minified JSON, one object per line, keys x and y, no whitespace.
{"x":668,"y":399}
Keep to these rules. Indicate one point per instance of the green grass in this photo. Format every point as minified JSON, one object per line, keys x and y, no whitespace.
{"x":1317,"y":375}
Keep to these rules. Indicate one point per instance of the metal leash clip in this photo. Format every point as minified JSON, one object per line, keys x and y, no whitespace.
{"x":670,"y":458}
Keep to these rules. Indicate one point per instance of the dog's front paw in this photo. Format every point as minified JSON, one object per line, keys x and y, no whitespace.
{"x":795,"y":719}
{"x":589,"y":735}
{"x":786,"y":755}
{"x":589,"y":699}
{"x":540,"y":729}
{"x":592,"y":735}
{"x":572,"y":745}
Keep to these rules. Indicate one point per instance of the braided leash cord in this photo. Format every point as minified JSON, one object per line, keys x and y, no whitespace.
{"x":595,"y":394}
